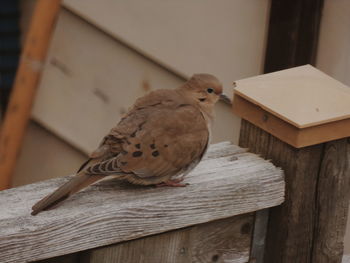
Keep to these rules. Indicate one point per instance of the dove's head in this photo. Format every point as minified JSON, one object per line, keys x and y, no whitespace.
{"x":203,"y":90}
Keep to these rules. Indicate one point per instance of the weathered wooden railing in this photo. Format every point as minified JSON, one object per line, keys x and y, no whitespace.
{"x":210,"y":220}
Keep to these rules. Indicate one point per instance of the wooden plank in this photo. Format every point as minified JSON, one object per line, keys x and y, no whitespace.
{"x":228,"y":182}
{"x":286,"y":131}
{"x":291,"y":225}
{"x":201,"y":32}
{"x":332,"y":202}
{"x":226,"y":240}
{"x":21,"y":100}
{"x":302,"y":96}
{"x":166,"y":247}
{"x":293,"y":33}
{"x":96,"y":96}
{"x":259,"y":237}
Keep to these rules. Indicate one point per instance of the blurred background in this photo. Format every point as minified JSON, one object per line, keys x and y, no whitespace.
{"x":104,"y":54}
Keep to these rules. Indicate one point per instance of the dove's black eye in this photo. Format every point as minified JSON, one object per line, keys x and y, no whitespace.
{"x":210,"y":90}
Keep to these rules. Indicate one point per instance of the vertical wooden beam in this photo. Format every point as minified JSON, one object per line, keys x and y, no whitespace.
{"x":293,"y":33}
{"x":258,"y":244}
{"x":26,"y":82}
{"x":332,"y":202}
{"x":309,"y":226}
{"x":290,"y":227}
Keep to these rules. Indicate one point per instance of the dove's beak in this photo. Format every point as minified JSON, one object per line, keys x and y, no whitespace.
{"x":225,"y":98}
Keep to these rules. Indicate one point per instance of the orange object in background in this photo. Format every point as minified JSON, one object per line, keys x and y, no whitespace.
{"x":26,"y":82}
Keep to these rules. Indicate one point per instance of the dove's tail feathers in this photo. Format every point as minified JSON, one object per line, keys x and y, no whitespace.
{"x":78,"y":182}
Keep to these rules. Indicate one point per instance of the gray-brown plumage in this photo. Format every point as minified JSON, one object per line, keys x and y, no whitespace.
{"x":163,"y":136}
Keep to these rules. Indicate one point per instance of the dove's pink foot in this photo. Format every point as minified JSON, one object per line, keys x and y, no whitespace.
{"x":173,"y":183}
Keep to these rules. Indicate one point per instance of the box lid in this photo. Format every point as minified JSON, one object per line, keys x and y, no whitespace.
{"x":302,"y":96}
{"x":302,"y":106}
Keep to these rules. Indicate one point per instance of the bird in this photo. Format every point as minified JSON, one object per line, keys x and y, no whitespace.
{"x":161,"y":138}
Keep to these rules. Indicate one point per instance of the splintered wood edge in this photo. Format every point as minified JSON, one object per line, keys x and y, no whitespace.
{"x":228,"y":182}
{"x":297,"y":137}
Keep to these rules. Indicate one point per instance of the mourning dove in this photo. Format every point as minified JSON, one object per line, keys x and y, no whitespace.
{"x":159,"y":140}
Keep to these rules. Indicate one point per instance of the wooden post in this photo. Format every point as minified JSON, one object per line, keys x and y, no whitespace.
{"x":293,"y":33}
{"x":332,"y":202}
{"x":22,"y":96}
{"x":301,"y":138}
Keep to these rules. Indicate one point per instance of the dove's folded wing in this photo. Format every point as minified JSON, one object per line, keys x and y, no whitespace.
{"x":153,"y":143}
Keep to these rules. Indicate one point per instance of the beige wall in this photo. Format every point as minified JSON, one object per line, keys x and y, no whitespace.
{"x":43,"y":156}
{"x":334,"y":52}
{"x":226,"y":38}
{"x":334,"y":45}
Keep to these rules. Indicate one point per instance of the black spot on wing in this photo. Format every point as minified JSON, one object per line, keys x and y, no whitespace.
{"x":103,"y":166}
{"x":153,"y":146}
{"x":155,"y":153}
{"x":138,"y":146}
{"x":137,"y":154}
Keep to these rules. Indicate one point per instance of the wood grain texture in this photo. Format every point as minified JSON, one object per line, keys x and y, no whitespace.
{"x":226,"y":240}
{"x":293,"y":33}
{"x":332,"y":202}
{"x":291,"y":225}
{"x":25,"y":85}
{"x":228,"y":182}
{"x":259,"y":237}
